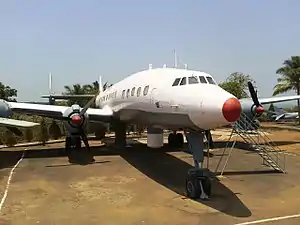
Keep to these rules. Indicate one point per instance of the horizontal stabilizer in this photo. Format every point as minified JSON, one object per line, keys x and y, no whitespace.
{"x":68,"y":96}
{"x":17,"y":123}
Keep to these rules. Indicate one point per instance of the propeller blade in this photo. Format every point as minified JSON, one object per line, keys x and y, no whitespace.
{"x":85,"y":108}
{"x":85,"y":140}
{"x":15,"y":130}
{"x":253,"y":94}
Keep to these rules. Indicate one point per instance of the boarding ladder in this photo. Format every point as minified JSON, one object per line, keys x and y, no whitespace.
{"x":257,"y":141}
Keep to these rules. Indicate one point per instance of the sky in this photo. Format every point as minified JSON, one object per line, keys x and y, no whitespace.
{"x":79,"y":40}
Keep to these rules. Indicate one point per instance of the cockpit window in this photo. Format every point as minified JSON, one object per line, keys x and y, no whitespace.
{"x":193,"y":80}
{"x":183,"y":81}
{"x":176,"y":82}
{"x":210,"y":80}
{"x":202,"y":79}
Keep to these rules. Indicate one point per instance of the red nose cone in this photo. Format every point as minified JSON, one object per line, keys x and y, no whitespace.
{"x":76,"y":119}
{"x":259,"y":110}
{"x":232,"y":109}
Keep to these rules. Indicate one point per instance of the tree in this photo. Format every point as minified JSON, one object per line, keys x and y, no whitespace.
{"x":54,"y":130}
{"x":10,"y":139}
{"x":237,"y":84}
{"x":76,"y":89}
{"x":7,"y":93}
{"x":29,"y":134}
{"x":290,"y":78}
{"x":43,"y":135}
{"x":86,"y":89}
{"x":94,"y":87}
{"x":272,"y":108}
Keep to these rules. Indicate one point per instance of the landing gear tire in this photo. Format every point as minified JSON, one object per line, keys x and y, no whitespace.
{"x":180,"y":140}
{"x":100,"y":134}
{"x":175,"y":140}
{"x":172,"y":140}
{"x":193,"y":188}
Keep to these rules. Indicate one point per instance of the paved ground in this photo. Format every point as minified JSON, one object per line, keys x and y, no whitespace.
{"x":143,"y":186}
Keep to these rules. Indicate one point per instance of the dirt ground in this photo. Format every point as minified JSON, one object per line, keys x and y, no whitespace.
{"x":137,"y":185}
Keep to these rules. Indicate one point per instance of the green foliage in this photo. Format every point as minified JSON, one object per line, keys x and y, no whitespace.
{"x":29,"y":135}
{"x":290,"y":78}
{"x":7,"y":93}
{"x":87,"y":89}
{"x":54,"y":130}
{"x":272,"y":108}
{"x":10,"y":139}
{"x":44,"y":136}
{"x":237,"y":84}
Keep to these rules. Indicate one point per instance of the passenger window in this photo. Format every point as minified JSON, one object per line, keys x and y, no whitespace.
{"x":145,"y":92}
{"x":132,"y":91}
{"x":176,"y":82}
{"x":127,"y":94}
{"x":183,"y":81}
{"x":210,"y":80}
{"x":123,"y":93}
{"x":193,"y":80}
{"x":202,"y":79}
{"x":138,"y":93}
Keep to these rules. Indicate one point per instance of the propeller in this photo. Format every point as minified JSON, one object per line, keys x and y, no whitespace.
{"x":76,"y":120}
{"x":259,"y":109}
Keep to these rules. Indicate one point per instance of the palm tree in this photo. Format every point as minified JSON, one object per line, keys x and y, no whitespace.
{"x":76,"y":89}
{"x":94,"y":87}
{"x":290,"y":78}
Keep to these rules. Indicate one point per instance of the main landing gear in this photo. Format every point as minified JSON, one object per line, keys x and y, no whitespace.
{"x":198,"y":184}
{"x":175,"y":140}
{"x":75,"y":153}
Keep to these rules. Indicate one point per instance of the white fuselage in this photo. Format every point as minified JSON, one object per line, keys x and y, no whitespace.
{"x":148,"y":97}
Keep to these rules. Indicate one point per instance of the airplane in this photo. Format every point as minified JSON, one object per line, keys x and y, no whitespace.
{"x":161,"y":98}
{"x":280,"y":114}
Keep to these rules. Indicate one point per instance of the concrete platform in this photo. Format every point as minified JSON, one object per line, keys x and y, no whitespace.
{"x":142,"y":186}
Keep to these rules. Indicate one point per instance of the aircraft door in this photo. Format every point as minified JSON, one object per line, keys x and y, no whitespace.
{"x":153,"y":95}
{"x":157,"y":99}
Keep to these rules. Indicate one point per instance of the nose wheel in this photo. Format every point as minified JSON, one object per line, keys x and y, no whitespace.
{"x":198,"y":185}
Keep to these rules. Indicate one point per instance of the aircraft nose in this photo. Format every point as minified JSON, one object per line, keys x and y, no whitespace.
{"x":232,"y":109}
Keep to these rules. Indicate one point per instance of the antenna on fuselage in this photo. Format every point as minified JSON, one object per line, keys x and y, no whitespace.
{"x":150,"y":66}
{"x":50,"y":83}
{"x":100,"y":84}
{"x":175,"y":59}
{"x":165,"y":66}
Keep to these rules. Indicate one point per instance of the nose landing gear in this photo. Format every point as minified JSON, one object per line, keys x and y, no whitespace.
{"x":198,"y":183}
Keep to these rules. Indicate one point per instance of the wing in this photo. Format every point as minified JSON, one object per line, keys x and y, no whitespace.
{"x":57,"y":112}
{"x":68,"y":96}
{"x":16,"y":123}
{"x":278,"y":99}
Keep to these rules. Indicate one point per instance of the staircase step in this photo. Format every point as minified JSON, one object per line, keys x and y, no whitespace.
{"x":267,"y":151}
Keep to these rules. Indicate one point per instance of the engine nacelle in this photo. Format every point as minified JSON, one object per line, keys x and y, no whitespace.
{"x":5,"y":110}
{"x":70,"y":112}
{"x":249,"y":109}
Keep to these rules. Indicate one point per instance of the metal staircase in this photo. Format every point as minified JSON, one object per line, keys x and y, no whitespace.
{"x":257,"y":141}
